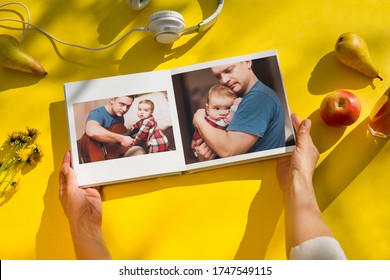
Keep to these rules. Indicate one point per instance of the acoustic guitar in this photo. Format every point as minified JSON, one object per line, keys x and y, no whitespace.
{"x":91,"y":150}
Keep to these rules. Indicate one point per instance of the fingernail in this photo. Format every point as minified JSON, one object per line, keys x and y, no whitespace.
{"x":306,"y":123}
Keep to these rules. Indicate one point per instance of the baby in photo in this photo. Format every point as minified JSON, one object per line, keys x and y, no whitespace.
{"x":149,"y":135}
{"x":221,"y":105}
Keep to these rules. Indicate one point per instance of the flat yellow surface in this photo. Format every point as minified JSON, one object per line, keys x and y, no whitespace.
{"x":229,"y":213}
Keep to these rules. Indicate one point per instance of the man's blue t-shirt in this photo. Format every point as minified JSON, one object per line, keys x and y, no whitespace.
{"x":101,"y":116}
{"x":261,"y":113}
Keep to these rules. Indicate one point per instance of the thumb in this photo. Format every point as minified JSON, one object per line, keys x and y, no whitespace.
{"x":303,"y":134}
{"x":70,"y":177}
{"x":306,"y":124}
{"x":68,"y":180}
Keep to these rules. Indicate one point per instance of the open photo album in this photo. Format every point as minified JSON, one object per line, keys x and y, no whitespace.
{"x":198,"y":117}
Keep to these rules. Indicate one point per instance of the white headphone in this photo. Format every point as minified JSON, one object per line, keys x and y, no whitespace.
{"x":168,"y":26}
{"x":138,"y":4}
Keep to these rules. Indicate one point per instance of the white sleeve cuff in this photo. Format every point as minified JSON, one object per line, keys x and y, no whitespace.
{"x":319,"y":248}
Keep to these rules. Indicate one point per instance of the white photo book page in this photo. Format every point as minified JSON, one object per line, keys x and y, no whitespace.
{"x":176,"y":95}
{"x":83,"y":96}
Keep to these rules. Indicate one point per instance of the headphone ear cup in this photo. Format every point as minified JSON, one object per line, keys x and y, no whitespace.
{"x":166,"y":26}
{"x":138,"y":4}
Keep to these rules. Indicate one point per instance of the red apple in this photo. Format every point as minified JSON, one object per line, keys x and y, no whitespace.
{"x":340,"y":108}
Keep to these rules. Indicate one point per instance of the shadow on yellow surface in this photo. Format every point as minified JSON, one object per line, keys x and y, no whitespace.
{"x":324,"y":136}
{"x":263,"y":216}
{"x":17,"y":79}
{"x":346,"y":161}
{"x":264,"y":211}
{"x":156,"y":56}
{"x":53,"y":237}
{"x":329,"y":75}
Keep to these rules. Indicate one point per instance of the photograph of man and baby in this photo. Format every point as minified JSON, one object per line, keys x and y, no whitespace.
{"x":232,"y":109}
{"x":123,"y":126}
{"x":223,"y":111}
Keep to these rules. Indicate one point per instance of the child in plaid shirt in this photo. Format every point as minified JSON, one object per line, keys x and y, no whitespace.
{"x":221,"y":105}
{"x":149,"y":134}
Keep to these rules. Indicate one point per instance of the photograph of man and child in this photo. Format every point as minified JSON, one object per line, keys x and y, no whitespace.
{"x":223,"y":110}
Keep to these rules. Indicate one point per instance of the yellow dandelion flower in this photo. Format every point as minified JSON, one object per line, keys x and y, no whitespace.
{"x":17,"y":151}
{"x":17,"y":138}
{"x":36,"y":154}
{"x":12,"y":137}
{"x":32,"y":134}
{"x":23,"y":155}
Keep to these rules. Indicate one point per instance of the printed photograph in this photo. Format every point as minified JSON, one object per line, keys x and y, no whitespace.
{"x":244,"y":99}
{"x":123,"y":126}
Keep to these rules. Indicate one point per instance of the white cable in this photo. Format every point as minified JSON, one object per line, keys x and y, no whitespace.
{"x":28,"y":15}
{"x":58,"y":40}
{"x":75,"y":45}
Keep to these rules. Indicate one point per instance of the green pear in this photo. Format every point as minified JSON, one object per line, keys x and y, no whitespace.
{"x":352,"y":51}
{"x":13,"y":56}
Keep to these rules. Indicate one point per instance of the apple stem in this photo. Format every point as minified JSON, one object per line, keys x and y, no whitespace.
{"x":379,"y":77}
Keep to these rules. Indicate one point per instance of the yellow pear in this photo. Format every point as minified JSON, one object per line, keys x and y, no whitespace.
{"x":13,"y":56}
{"x":352,"y":51}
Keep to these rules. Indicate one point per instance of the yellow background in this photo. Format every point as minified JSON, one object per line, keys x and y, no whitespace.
{"x":229,"y":213}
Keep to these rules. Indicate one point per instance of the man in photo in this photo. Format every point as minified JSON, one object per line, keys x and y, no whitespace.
{"x":105,"y":134}
{"x":258,"y":123}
